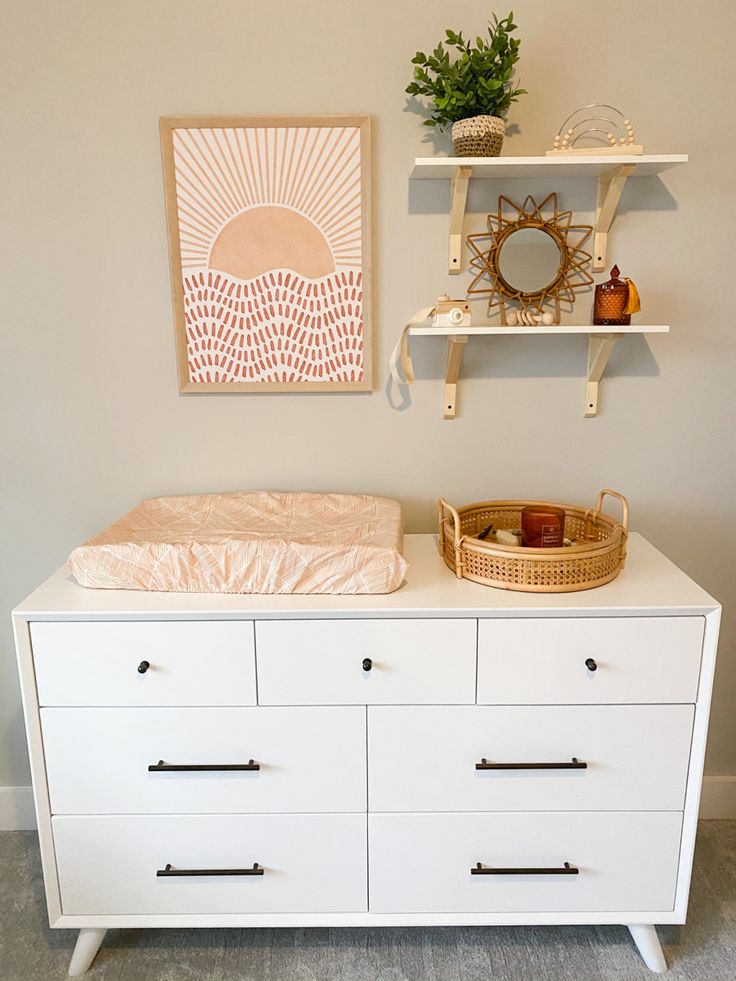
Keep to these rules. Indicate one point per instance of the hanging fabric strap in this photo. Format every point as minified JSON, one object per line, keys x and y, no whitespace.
{"x":633,"y":304}
{"x":401,"y":355}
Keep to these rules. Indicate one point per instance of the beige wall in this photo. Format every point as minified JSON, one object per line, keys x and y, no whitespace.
{"x":92,"y":421}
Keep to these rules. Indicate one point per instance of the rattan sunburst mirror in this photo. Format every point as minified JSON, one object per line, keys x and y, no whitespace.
{"x":532,"y":256}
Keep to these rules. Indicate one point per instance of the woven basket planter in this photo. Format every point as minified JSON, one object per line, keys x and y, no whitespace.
{"x":479,"y":136}
{"x":597,"y":556}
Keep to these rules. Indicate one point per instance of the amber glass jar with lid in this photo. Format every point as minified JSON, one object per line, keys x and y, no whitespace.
{"x":615,"y":301}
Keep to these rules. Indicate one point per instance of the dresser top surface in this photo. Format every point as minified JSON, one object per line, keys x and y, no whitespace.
{"x":649,"y":585}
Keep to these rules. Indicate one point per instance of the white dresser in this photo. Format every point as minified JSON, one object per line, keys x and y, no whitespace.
{"x":446,"y":754}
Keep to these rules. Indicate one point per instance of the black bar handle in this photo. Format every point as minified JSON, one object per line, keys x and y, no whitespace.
{"x":590,"y":664}
{"x":566,"y":869}
{"x":161,"y":767}
{"x":574,"y":764}
{"x":169,"y":871}
{"x":367,"y":664}
{"x":143,"y":667}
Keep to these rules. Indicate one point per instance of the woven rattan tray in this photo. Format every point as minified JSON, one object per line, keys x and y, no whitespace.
{"x":596,"y":557}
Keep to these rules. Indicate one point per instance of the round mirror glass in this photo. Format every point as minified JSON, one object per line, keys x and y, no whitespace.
{"x":529,"y":260}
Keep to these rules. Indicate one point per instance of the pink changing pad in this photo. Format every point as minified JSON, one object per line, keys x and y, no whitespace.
{"x":258,"y":542}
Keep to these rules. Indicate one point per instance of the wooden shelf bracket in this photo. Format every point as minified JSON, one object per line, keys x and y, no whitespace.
{"x":611,"y":173}
{"x":455,"y":350}
{"x":610,"y":187}
{"x":458,"y":198}
{"x":601,"y":342}
{"x":600,"y":347}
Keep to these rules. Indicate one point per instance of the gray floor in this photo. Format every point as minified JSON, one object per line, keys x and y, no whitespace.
{"x":704,"y":949}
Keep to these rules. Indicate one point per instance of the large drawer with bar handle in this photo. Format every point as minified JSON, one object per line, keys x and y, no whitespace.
{"x":205,"y":760}
{"x":199,"y":864}
{"x":589,"y":660}
{"x":528,"y":757}
{"x":524,"y":862}
{"x":144,"y":662}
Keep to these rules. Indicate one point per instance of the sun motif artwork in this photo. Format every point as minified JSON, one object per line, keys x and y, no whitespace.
{"x":269,"y":241}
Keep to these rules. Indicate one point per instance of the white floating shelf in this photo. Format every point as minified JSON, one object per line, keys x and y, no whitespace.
{"x":514,"y":168}
{"x":601,"y":341}
{"x":490,"y":329}
{"x":610,"y":170}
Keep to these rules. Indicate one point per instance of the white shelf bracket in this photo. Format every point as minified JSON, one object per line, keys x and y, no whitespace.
{"x":600,"y":347}
{"x":455,"y":349}
{"x":610,"y":186}
{"x":458,"y":197}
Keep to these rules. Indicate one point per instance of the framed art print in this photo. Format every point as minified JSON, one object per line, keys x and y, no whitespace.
{"x":269,"y":242}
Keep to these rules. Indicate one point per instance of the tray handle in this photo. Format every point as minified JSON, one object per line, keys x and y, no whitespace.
{"x":624,"y":516}
{"x":443,"y":508}
{"x":622,"y":501}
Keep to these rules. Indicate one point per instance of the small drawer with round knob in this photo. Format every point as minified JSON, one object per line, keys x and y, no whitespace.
{"x":596,"y":660}
{"x":144,"y":662}
{"x":366,"y":662}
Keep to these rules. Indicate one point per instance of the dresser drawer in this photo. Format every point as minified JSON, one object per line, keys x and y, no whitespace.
{"x":421,"y":863}
{"x":191,"y":663}
{"x":549,"y":661}
{"x":423,"y":758}
{"x":322,"y":661}
{"x":311,"y":863}
{"x":310,"y":759}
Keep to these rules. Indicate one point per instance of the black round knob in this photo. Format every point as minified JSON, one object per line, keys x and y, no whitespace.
{"x":591,"y":665}
{"x":367,"y":664}
{"x":143,"y":667}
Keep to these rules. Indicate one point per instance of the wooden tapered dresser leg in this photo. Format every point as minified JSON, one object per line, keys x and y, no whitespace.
{"x":647,"y":942}
{"x":88,"y":943}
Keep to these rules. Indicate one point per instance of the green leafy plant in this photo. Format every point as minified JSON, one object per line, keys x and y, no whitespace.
{"x":477,"y":82}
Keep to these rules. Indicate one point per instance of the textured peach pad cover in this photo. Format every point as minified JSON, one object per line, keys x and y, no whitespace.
{"x":261,"y":542}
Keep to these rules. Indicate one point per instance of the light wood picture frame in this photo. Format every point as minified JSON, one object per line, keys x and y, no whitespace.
{"x":269,"y":226}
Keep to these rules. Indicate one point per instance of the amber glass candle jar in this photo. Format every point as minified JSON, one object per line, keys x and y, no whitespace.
{"x":542,"y":526}
{"x":611,"y":302}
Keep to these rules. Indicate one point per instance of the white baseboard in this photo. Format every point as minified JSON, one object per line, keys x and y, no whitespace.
{"x":718,"y":798}
{"x":16,"y":809}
